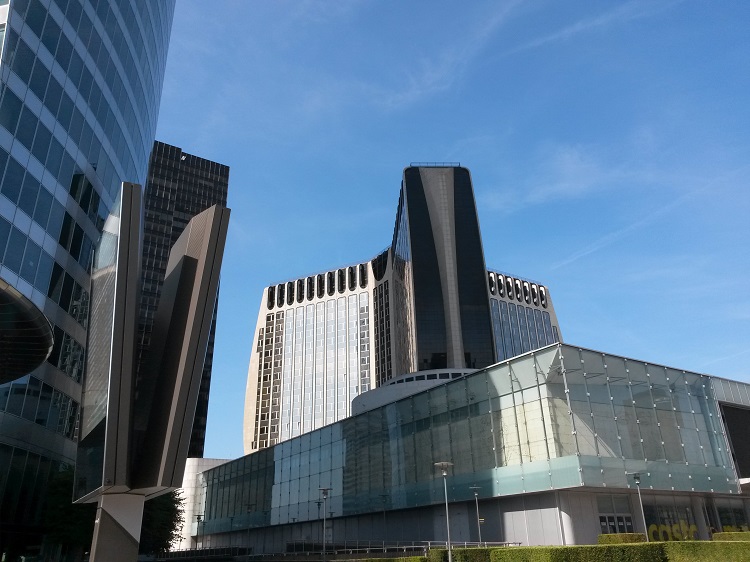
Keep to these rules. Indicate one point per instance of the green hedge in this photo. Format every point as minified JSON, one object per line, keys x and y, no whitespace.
{"x":437,"y":555}
{"x":404,"y":559}
{"x":706,"y":551}
{"x":622,"y":538}
{"x":471,"y":554}
{"x":641,"y":552}
{"x":530,"y":554}
{"x":736,"y":536}
{"x":676,"y":551}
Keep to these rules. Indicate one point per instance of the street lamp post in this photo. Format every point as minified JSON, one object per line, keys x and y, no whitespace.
{"x":198,"y":539}
{"x":476,"y":501}
{"x":637,"y":479}
{"x":443,"y":466}
{"x":324,"y":492}
{"x":384,"y":497}
{"x":249,"y":507}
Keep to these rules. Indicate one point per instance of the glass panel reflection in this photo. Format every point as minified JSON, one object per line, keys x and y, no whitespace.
{"x":563,"y":417}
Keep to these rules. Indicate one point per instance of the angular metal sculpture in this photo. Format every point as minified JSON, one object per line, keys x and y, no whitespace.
{"x":168,"y":393}
{"x":135,"y":434}
{"x":102,"y":464}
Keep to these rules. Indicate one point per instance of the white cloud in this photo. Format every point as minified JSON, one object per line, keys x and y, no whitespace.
{"x":734,"y":355}
{"x":628,"y":11}
{"x":560,"y":172}
{"x":689,"y":188}
{"x":439,"y":73}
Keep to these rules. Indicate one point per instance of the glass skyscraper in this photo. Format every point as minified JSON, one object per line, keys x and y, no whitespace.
{"x":179,"y":187}
{"x":80,"y":85}
{"x":427,"y":302}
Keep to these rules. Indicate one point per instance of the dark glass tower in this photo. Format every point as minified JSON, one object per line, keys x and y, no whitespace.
{"x":179,"y":187}
{"x":437,"y":240}
{"x":80,"y":88}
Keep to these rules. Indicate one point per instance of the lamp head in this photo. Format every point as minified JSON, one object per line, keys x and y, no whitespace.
{"x":443,"y":466}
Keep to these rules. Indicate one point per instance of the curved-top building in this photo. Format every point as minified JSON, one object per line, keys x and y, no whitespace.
{"x":80,"y":85}
{"x":428,"y":302}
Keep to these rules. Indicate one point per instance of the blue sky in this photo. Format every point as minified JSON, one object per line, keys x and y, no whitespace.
{"x":609,"y":144}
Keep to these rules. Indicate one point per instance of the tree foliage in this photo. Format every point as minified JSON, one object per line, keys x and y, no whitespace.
{"x":72,"y":526}
{"x":65,"y":523}
{"x":162,"y":522}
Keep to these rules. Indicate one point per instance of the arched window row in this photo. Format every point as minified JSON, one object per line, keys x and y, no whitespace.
{"x":318,"y":286}
{"x":511,"y":288}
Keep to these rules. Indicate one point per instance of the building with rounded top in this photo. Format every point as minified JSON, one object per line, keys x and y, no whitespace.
{"x":425,"y":303}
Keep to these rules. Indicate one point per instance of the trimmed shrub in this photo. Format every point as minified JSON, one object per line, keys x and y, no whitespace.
{"x":736,"y":536}
{"x":705,"y":551}
{"x":530,"y":554}
{"x":633,"y":552}
{"x":437,"y":555}
{"x":622,"y":538}
{"x":471,"y":554}
{"x":404,"y":559}
{"x":641,"y":552}
{"x":675,"y":551}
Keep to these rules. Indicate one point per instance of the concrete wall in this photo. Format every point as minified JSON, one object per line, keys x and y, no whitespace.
{"x":192,"y":492}
{"x":532,"y":519}
{"x":579,"y":516}
{"x":548,"y":518}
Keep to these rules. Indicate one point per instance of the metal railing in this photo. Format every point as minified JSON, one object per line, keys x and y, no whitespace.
{"x":435,"y":164}
{"x":312,"y":551}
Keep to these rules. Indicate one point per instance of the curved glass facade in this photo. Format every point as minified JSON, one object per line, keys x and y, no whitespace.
{"x":79,"y":97}
{"x":558,"y":418}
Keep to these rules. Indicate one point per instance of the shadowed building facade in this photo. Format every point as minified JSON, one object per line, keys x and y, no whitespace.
{"x":427,"y":302}
{"x":179,"y":186}
{"x":79,"y":97}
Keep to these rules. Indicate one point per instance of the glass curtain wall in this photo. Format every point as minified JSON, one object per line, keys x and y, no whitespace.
{"x":557,"y":418}
{"x":320,"y":364}
{"x":636,"y":417}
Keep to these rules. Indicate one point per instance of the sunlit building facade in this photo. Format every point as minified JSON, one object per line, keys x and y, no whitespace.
{"x":551,"y":441}
{"x":426,"y":302}
{"x":80,"y":84}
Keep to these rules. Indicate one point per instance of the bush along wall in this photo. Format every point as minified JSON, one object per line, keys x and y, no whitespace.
{"x":675,"y":551}
{"x":621,"y":538}
{"x":736,"y":536}
{"x":404,"y":559}
{"x":472,"y":554}
{"x":705,"y":551}
{"x":642,"y":552}
{"x":437,"y":555}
